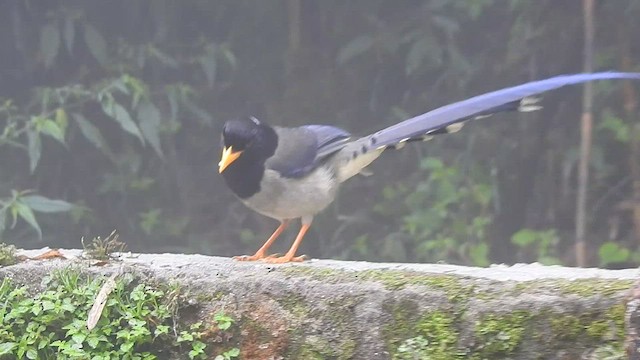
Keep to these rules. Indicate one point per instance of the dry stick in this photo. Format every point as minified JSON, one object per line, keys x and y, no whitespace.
{"x":586,"y":130}
{"x":101,"y":299}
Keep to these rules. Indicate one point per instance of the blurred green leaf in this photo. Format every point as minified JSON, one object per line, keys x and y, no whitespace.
{"x":119,"y":85}
{"x":14,"y":215}
{"x":549,"y":260}
{"x":164,"y":58}
{"x":34,"y":148}
{"x":483,"y":194}
{"x":611,"y":253}
{"x":96,"y":44}
{"x":235,"y":352}
{"x":621,"y":130}
{"x":355,"y":47}
{"x":431,"y":163}
{"x":121,"y":115}
{"x":209,"y":63}
{"x":541,"y":242}
{"x":524,"y":237}
{"x":27,"y":215}
{"x":149,"y":118}
{"x":143,"y":183}
{"x":43,"y":204}
{"x":149,"y":220}
{"x":479,"y":254}
{"x":173,"y":97}
{"x":52,"y":129}
{"x":228,"y":56}
{"x":62,"y":119}
{"x":90,"y":132}
{"x":137,"y":87}
{"x":49,"y":43}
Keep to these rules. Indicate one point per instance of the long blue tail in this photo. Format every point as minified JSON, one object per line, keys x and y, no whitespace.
{"x":443,"y":118}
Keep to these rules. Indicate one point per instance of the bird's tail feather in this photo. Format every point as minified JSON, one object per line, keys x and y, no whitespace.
{"x":520,"y":98}
{"x":527,"y":104}
{"x":356,"y":155}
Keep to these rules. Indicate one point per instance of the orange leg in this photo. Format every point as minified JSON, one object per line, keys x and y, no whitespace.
{"x":262,"y":252}
{"x":290,"y":255}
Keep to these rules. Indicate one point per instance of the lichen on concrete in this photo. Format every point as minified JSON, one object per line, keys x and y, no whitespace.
{"x":499,"y":335}
{"x":454,"y":286}
{"x":356,"y":310}
{"x":434,"y":336}
{"x":7,"y":254}
{"x":580,"y":287}
{"x":336,"y":329}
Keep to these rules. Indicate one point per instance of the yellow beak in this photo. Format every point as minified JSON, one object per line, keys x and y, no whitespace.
{"x":228,"y":156}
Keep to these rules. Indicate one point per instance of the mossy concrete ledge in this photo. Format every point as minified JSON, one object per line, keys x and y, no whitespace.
{"x":324,"y":309}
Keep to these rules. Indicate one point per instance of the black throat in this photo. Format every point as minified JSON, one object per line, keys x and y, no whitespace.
{"x":244,"y":175}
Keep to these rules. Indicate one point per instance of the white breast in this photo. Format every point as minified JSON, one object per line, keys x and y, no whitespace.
{"x":285,"y":198}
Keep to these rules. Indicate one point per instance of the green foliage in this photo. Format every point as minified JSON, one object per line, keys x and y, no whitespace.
{"x":615,"y":125}
{"x":23,"y":205}
{"x":611,"y":253}
{"x":540,"y":243}
{"x":136,"y":323}
{"x":118,"y":109}
{"x":116,"y":103}
{"x":445,"y":215}
{"x":228,"y":355}
{"x":224,"y":321}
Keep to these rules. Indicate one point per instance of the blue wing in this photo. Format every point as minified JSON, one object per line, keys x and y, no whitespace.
{"x":329,"y":139}
{"x":301,"y":149}
{"x":442,"y":117}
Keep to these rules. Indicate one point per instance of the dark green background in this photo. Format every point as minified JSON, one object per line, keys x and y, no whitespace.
{"x":361,"y":65}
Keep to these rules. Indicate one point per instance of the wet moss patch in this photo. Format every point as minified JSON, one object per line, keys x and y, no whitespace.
{"x":455,"y":287}
{"x":499,"y":335}
{"x":581,"y":287}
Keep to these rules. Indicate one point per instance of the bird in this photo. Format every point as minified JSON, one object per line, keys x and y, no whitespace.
{"x":290,"y":173}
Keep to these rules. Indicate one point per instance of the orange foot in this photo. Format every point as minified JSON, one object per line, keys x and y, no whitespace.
{"x":255,"y":257}
{"x":284,"y":259}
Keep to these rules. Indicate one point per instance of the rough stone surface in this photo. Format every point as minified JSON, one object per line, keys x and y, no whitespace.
{"x":325,"y":309}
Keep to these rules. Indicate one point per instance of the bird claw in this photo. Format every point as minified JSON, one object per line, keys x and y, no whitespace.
{"x":254,"y":257}
{"x":285,"y":259}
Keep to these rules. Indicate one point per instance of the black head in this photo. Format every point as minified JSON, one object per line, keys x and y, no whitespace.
{"x":247,"y":143}
{"x":250,"y":137}
{"x":241,"y":132}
